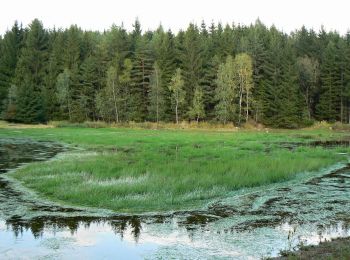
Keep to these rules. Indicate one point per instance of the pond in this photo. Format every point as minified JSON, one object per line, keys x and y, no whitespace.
{"x":248,"y":224}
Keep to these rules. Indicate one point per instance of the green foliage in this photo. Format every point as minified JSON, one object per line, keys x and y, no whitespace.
{"x":191,"y":60}
{"x":156,"y":108}
{"x":243,"y":68}
{"x":327,"y":106}
{"x":308,"y":70}
{"x":142,"y":58}
{"x":291,"y":80}
{"x":225,"y":91}
{"x":10,"y":104}
{"x":30,"y":75}
{"x":178,"y":93}
{"x":197,"y":110}
{"x":63,"y":90}
{"x":10,"y":47}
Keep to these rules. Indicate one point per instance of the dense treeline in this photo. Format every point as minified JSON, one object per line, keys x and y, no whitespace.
{"x":214,"y":73}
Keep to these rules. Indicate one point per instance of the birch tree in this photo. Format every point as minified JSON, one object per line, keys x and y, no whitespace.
{"x":113,"y":87}
{"x":176,"y":88}
{"x":63,"y":86}
{"x":225,"y":91}
{"x":156,"y":93}
{"x":308,"y":69}
{"x":243,"y":67}
{"x":197,"y":109}
{"x":125,"y":85}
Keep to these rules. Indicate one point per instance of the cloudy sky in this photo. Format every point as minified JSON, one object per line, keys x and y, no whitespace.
{"x":175,"y":14}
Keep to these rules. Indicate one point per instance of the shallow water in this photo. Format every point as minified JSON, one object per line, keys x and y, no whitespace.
{"x":249,"y":224}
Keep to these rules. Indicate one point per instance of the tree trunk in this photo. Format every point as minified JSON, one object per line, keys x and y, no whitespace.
{"x":157,"y":100}
{"x":341,"y":98}
{"x":69,"y":106}
{"x":308,"y":103}
{"x":240,"y":99}
{"x":247,"y":115}
{"x":157,"y":111}
{"x":341,"y":108}
{"x":177,"y":116}
{"x":115,"y":104}
{"x":240,"y":107}
{"x":69,"y":111}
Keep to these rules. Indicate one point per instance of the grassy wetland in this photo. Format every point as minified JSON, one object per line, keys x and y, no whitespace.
{"x":139,"y":170}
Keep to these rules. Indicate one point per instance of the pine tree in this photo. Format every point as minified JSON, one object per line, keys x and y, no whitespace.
{"x":328,"y":105}
{"x":346,"y":92}
{"x":343,"y":62}
{"x":30,"y":75}
{"x":258,"y":43}
{"x":141,"y":72}
{"x":297,"y":78}
{"x":271,"y":79}
{"x":72,"y":61}
{"x":164,"y":49}
{"x":209,"y":70}
{"x":289,"y":102}
{"x":9,"y":52}
{"x":191,"y":59}
{"x":54,"y":68}
{"x":90,"y":85}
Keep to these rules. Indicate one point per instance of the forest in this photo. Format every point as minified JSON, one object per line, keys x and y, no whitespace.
{"x":214,"y":73}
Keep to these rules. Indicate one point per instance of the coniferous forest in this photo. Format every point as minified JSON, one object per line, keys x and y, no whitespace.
{"x":214,"y":73}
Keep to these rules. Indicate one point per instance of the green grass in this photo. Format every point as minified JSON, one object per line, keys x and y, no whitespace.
{"x":328,"y":250}
{"x":129,"y":170}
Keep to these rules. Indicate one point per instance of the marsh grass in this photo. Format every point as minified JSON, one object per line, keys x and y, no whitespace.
{"x":129,"y":170}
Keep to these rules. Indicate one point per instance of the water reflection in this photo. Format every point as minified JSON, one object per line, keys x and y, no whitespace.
{"x":38,"y":225}
{"x":15,"y":152}
{"x":256,"y":223}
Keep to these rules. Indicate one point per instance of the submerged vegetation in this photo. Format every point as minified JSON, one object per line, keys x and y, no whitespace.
{"x":134,"y":170}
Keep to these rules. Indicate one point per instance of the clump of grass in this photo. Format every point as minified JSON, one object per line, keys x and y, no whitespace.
{"x":184,"y":125}
{"x":133,"y":170}
{"x":334,"y":249}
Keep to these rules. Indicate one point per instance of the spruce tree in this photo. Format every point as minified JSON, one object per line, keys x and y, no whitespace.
{"x":191,"y":59}
{"x":328,"y":105}
{"x":164,"y":49}
{"x":9,"y":52}
{"x":30,"y":75}
{"x":141,"y":72}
